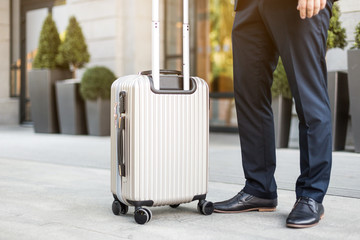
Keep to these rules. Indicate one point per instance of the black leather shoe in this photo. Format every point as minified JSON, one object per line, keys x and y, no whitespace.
{"x":305,"y":213}
{"x":244,"y":202}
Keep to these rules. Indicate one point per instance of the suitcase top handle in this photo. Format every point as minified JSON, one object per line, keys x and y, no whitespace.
{"x":156,"y":45}
{"x":162,"y":71}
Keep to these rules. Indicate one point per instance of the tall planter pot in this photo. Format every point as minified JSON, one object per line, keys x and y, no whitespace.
{"x":43,"y":100}
{"x":71,"y":107}
{"x":98,"y":117}
{"x":338,"y":90}
{"x":282,"y":108}
{"x":354,"y":91}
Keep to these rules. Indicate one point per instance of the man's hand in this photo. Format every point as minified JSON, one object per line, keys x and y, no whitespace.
{"x":309,"y":8}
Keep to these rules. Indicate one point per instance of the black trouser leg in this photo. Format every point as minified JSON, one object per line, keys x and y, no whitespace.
{"x":261,"y":29}
{"x":255,"y":59}
{"x":302,"y":46}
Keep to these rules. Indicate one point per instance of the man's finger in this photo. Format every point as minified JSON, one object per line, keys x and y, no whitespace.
{"x":322,"y":4}
{"x":316,"y":7}
{"x":310,"y":8}
{"x":302,"y":8}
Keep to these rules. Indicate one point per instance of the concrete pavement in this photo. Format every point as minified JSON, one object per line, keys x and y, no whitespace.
{"x":58,"y":187}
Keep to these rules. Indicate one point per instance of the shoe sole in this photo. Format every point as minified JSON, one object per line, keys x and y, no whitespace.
{"x":247,"y":210}
{"x":304,"y":226}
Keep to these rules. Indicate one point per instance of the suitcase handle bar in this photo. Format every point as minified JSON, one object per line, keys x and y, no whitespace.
{"x":162,"y":71}
{"x":156,"y":44}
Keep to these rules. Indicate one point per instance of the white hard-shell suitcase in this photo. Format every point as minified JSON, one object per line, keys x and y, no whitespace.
{"x":159,"y":136}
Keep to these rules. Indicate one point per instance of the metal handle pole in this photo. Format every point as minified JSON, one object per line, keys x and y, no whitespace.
{"x":186,"y":46}
{"x":156,"y":45}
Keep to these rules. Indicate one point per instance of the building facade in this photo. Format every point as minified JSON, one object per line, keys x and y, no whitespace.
{"x":118,"y":34}
{"x":9,"y":107}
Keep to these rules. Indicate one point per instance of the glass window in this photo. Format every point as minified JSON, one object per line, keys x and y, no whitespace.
{"x":173,"y":34}
{"x":210,"y":52}
{"x":221,"y":21}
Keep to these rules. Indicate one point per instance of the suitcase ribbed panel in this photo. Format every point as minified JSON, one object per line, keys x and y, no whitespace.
{"x":113,"y":155}
{"x":166,"y":138}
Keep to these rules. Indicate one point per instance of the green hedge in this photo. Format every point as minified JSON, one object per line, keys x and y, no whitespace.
{"x":357,"y":37}
{"x":73,"y":51}
{"x":336,"y":33}
{"x":280,"y":84}
{"x":96,"y":83}
{"x":49,"y":42}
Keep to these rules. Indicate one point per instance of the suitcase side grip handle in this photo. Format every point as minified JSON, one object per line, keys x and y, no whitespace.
{"x":120,"y":148}
{"x":120,"y":131}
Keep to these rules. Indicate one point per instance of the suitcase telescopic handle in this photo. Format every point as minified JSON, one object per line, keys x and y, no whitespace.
{"x":156,"y":45}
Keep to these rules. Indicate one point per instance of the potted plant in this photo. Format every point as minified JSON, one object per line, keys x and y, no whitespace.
{"x":338,"y":84}
{"x":95,"y":90}
{"x":73,"y":53}
{"x":42,"y":79}
{"x":73,"y":50}
{"x":281,"y":105}
{"x":354,"y":86}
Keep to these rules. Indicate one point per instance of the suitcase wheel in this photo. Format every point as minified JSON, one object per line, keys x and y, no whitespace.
{"x":142,"y":215}
{"x":205,"y":207}
{"x":149,"y":212}
{"x":175,"y":205}
{"x":119,"y":208}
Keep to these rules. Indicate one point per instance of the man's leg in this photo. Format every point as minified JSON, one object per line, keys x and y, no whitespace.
{"x":255,"y":59}
{"x":302,"y":46}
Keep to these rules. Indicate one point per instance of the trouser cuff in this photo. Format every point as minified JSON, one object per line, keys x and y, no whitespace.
{"x":258,"y":193}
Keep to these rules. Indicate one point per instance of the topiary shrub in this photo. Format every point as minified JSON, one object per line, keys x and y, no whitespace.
{"x":49,"y":42}
{"x":336,"y":34}
{"x":280,"y":84}
{"x":357,"y":37}
{"x":73,"y":51}
{"x":96,"y":83}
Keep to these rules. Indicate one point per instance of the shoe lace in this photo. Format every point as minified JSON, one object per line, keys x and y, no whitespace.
{"x":305,"y":201}
{"x":240,"y":196}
